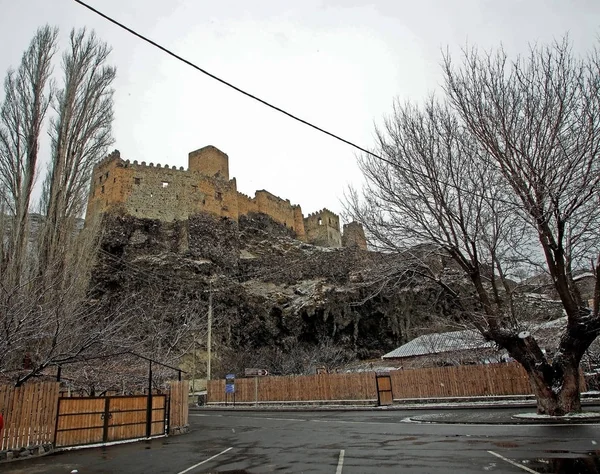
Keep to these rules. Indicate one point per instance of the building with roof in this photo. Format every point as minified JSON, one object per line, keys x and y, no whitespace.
{"x":447,"y":348}
{"x":469,"y":347}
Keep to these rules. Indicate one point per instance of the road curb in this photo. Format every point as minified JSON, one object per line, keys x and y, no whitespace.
{"x":399,"y":406}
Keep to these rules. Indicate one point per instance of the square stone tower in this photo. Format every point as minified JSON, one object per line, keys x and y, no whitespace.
{"x":209,"y":161}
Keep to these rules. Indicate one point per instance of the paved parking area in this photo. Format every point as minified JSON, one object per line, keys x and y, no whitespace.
{"x":349,"y":442}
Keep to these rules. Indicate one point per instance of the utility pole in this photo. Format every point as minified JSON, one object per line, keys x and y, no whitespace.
{"x":209,"y":336}
{"x":194,"y":364}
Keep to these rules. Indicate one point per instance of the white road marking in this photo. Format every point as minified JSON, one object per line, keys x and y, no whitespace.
{"x":410,"y":420}
{"x":525,"y":468}
{"x":349,"y":422}
{"x":205,"y":461}
{"x":340,"y":462}
{"x":278,"y":419}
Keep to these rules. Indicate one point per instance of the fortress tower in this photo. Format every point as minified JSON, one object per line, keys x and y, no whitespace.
{"x":354,"y":236}
{"x":323,"y":228}
{"x":209,"y":161}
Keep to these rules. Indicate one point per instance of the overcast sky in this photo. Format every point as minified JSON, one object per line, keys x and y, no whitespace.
{"x":337,"y":63}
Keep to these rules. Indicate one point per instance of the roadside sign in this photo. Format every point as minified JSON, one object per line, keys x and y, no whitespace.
{"x":253,"y":372}
{"x":229,"y":388}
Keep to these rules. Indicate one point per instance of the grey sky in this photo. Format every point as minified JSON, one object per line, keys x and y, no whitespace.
{"x":336,"y":63}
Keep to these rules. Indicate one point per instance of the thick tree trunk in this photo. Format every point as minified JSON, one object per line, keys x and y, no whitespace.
{"x":556,"y":383}
{"x":557,"y":391}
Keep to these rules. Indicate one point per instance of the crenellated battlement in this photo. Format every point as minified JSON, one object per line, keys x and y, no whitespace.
{"x":135,"y":164}
{"x":169,"y":193}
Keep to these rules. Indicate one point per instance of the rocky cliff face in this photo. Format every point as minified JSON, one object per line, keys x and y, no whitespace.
{"x":274,"y":298}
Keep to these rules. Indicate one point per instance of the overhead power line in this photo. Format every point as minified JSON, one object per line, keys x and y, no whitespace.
{"x":280,"y":110}
{"x":228,"y":84}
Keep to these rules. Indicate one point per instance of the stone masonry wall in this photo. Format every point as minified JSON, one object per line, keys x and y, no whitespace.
{"x":156,"y":192}
{"x":354,"y":236}
{"x":210,"y":161}
{"x":278,"y":209}
{"x":323,"y":228}
{"x":172,"y":194}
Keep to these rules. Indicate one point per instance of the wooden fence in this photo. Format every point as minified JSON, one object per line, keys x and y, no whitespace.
{"x":462,"y":381}
{"x":29,"y":414}
{"x":350,"y":387}
{"x":32,"y":418}
{"x":179,"y":407}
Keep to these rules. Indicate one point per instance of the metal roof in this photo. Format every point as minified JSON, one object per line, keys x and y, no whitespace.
{"x":440,"y":342}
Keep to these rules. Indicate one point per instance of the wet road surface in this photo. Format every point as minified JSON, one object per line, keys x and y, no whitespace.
{"x":349,"y":442}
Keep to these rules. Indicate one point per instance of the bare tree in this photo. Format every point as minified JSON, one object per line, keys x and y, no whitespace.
{"x":26,"y":100}
{"x":512,"y":156}
{"x":46,"y":317}
{"x":54,"y":322}
{"x":80,"y":133}
{"x":296,"y":359}
{"x":539,"y":120}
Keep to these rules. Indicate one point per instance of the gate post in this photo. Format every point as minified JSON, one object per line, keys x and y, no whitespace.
{"x":106,"y":417}
{"x":149,"y":405}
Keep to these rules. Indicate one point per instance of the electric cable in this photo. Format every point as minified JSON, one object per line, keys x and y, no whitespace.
{"x":280,"y":110}
{"x":226,"y":83}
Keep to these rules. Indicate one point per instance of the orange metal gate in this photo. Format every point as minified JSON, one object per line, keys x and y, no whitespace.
{"x":92,"y":420}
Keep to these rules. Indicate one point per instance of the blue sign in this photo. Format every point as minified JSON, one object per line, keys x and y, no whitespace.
{"x":229,"y":388}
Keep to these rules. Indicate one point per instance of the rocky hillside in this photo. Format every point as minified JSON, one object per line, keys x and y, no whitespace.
{"x":277,"y":302}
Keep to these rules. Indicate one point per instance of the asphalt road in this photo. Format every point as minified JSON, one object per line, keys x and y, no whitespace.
{"x":338,"y":442}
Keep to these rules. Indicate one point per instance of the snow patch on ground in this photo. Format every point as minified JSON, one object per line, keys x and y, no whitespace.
{"x":569,"y":416}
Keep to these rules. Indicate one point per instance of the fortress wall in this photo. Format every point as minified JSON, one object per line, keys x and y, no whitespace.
{"x":327,"y":217}
{"x":246,"y":204}
{"x":278,"y":209}
{"x":299,"y":223}
{"x":169,"y":193}
{"x":219,"y":197}
{"x":318,"y":235}
{"x":154,"y":192}
{"x":159,"y":192}
{"x":105,"y":187}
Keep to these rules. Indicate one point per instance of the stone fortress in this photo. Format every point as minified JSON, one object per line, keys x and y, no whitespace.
{"x":173,"y":194}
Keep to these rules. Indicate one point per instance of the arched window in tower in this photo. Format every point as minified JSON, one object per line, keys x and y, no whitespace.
{"x":320,"y":221}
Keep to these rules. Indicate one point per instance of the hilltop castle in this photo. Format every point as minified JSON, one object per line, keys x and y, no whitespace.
{"x":171,"y":194}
